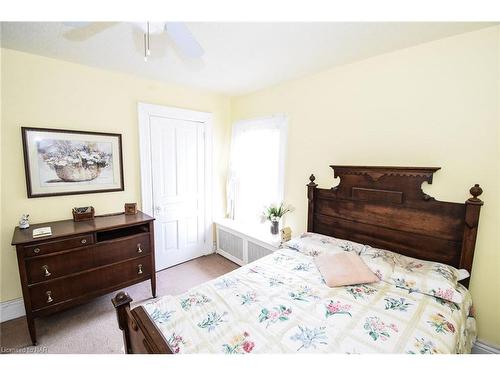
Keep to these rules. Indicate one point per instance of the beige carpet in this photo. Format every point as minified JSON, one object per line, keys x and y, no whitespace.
{"x":92,"y":328}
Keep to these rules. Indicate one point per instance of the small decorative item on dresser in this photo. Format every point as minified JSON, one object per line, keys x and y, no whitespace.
{"x":42,"y":232}
{"x":130,"y":208}
{"x":83,"y":213}
{"x":24,"y":221}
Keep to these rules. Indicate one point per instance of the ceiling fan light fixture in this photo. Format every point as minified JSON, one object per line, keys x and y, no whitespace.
{"x":154,"y":27}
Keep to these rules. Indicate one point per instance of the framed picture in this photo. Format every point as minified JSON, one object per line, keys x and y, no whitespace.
{"x":64,"y":162}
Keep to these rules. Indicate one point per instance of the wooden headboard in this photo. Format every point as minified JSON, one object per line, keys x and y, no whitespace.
{"x":385,"y":207}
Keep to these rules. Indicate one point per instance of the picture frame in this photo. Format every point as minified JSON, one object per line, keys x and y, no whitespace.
{"x":67,"y":162}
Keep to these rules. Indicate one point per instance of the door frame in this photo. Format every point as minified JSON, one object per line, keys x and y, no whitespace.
{"x":145,"y":112}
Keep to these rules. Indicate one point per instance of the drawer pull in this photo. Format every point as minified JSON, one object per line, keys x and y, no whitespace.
{"x":49,"y":296}
{"x":36,"y":250}
{"x":139,"y":271}
{"x":139,"y":249}
{"x":83,"y":241}
{"x":46,"y":269}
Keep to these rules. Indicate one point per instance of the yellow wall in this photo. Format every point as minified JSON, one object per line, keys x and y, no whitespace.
{"x":43,"y":92}
{"x":434,"y":104}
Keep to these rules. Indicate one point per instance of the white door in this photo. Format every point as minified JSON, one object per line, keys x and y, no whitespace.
{"x":178,"y":189}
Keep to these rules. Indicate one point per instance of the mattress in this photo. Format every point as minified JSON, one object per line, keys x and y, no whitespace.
{"x":280,"y":304}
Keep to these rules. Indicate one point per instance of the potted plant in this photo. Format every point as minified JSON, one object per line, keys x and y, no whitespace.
{"x":274,"y":213}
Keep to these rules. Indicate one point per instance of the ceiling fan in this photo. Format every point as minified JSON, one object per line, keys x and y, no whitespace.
{"x":177,"y":31}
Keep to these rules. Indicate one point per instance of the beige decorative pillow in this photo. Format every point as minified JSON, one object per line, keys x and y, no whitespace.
{"x":345,"y":268}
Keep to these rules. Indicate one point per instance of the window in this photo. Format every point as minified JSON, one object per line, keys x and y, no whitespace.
{"x":257,"y":166}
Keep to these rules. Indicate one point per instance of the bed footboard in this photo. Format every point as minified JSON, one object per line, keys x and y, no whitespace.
{"x":140,"y":335}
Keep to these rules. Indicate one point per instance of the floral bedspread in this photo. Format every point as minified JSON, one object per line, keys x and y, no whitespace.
{"x":280,"y":304}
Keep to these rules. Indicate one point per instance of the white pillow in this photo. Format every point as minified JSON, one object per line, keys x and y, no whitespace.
{"x":415,"y":275}
{"x":314,"y":244}
{"x":462,"y":274}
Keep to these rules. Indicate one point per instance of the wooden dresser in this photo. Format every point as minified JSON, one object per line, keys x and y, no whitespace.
{"x":82,"y":260}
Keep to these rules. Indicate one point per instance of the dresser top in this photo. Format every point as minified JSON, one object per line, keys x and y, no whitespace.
{"x":69,"y":227}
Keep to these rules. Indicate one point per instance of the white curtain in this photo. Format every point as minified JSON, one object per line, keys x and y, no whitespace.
{"x":256,"y":169}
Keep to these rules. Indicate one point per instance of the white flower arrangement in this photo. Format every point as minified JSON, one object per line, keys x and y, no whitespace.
{"x":67,"y":153}
{"x":74,"y":161}
{"x":274,"y":213}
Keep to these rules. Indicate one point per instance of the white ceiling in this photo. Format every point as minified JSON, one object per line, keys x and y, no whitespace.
{"x":240,"y":57}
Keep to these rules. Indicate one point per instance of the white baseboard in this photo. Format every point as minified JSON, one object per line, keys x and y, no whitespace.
{"x":481,"y":347}
{"x":11,"y":309}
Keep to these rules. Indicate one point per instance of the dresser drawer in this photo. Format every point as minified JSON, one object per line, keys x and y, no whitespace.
{"x":53,"y":266}
{"x":59,"y":245}
{"x":121,"y":249}
{"x":44,"y":268}
{"x":50,"y":293}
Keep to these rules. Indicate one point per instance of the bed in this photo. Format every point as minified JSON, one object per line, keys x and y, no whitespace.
{"x":280,"y":303}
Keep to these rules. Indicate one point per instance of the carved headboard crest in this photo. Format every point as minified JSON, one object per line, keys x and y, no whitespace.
{"x":387,"y":184}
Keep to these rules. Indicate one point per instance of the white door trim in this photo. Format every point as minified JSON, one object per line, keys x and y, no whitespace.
{"x":145,"y":111}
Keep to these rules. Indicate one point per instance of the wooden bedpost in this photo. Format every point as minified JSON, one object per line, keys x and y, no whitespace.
{"x":311,"y":188}
{"x":121,"y":302}
{"x":140,"y":334}
{"x":472,"y":210}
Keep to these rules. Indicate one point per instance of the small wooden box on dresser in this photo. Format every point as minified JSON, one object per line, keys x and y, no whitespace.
{"x":82,"y":260}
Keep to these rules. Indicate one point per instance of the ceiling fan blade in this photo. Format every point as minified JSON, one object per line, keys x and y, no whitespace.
{"x":184,"y":39}
{"x":81,"y":31}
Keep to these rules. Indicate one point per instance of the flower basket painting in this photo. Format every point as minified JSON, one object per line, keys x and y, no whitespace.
{"x":63,"y":162}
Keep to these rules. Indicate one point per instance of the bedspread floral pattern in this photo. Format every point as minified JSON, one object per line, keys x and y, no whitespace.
{"x":175,"y":341}
{"x":239,"y":344}
{"x":161,"y":316}
{"x":397,"y":304}
{"x":440,"y":324}
{"x":278,"y":304}
{"x":310,"y":337}
{"x":303,"y":293}
{"x":377,"y":329}
{"x":361,"y":291}
{"x":194,"y":299}
{"x":276,"y":314}
{"x":423,"y":346}
{"x":212,"y":320}
{"x":334,"y":308}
